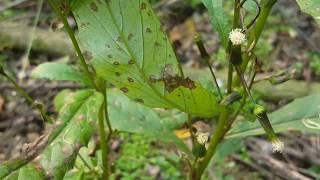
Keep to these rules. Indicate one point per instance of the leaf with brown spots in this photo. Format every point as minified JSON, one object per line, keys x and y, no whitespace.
{"x":130,"y":50}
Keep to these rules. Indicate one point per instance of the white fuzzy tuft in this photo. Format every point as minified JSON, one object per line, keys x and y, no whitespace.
{"x":277,"y":145}
{"x":202,"y":138}
{"x":237,"y":37}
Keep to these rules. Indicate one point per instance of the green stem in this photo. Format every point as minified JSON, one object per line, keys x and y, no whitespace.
{"x":256,"y":33}
{"x":217,"y":137}
{"x":103,"y":144}
{"x":106,"y":113}
{"x":30,"y":100}
{"x":75,"y":44}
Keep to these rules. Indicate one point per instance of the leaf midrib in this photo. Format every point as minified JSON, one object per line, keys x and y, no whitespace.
{"x":135,"y":59}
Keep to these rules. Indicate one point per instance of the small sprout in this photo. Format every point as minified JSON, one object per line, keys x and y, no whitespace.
{"x":237,"y":37}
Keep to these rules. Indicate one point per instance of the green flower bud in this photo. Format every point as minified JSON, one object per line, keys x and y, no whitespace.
{"x":263,"y":118}
{"x":199,"y":150}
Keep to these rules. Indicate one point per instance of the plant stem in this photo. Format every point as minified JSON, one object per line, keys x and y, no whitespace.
{"x":205,"y":56}
{"x":30,"y":100}
{"x":75,"y":44}
{"x":217,"y":137}
{"x":266,"y":7}
{"x":103,"y":144}
{"x":106,"y":113}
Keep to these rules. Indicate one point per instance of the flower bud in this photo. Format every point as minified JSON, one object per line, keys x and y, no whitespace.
{"x":202,"y":138}
{"x":237,"y":37}
{"x":262,"y":116}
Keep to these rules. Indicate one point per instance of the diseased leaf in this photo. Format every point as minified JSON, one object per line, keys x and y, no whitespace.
{"x":303,"y":114}
{"x":78,"y":115}
{"x":129,"y":50}
{"x":311,"y":7}
{"x":59,"y":71}
{"x":219,"y":19}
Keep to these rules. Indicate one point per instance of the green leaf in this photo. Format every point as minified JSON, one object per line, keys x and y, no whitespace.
{"x":126,"y":115}
{"x":220,"y":20}
{"x":59,"y":71}
{"x":28,"y":172}
{"x":303,"y":114}
{"x":311,"y":7}
{"x":79,"y":115}
{"x":129,"y":50}
{"x":59,"y":99}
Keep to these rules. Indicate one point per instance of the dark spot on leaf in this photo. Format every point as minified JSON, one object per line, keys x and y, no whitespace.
{"x":179,"y":95}
{"x":116,"y":63}
{"x":124,"y":89}
{"x":157,"y":44}
{"x":170,"y":56}
{"x":88,"y":55}
{"x":130,"y":79}
{"x":88,"y":23}
{"x":149,"y":13}
{"x":130,"y":36}
{"x":139,"y":100}
{"x":119,"y":39}
{"x":94,"y":7}
{"x":109,"y":56}
{"x":164,"y":38}
{"x":82,"y":25}
{"x":117,"y":74}
{"x":108,"y":46}
{"x":148,"y":30}
{"x":173,"y":82}
{"x":131,"y":61}
{"x":143,"y":6}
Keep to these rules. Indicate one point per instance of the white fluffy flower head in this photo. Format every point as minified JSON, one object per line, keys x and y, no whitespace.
{"x":237,"y":37}
{"x":277,"y":145}
{"x":202,"y":138}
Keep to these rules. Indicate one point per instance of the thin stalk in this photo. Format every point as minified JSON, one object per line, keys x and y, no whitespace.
{"x":244,"y":83}
{"x":25,"y":62}
{"x":205,"y":56}
{"x":103,"y":144}
{"x":106,"y":114}
{"x":30,"y":100}
{"x":75,"y":44}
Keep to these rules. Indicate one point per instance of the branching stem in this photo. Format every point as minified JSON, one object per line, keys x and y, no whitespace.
{"x":63,"y":17}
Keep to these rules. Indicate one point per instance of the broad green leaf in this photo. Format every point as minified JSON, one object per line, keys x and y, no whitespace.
{"x":303,"y":114}
{"x":129,"y":50}
{"x":220,"y":20}
{"x":59,"y":71}
{"x":128,"y":116}
{"x":78,"y":115}
{"x":28,"y":172}
{"x":311,"y":7}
